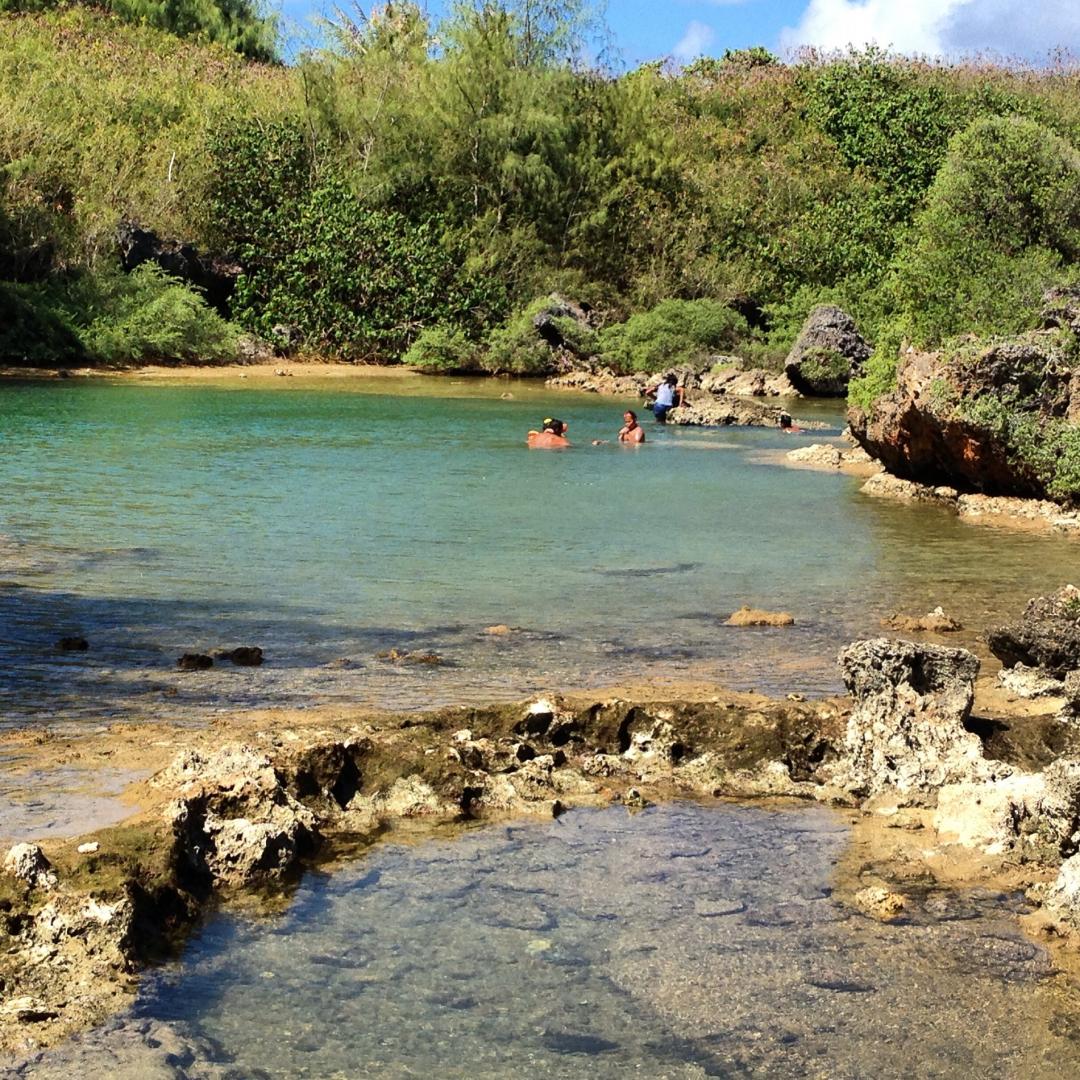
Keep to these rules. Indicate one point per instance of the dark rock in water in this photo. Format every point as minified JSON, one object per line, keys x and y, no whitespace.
{"x":404,"y":656}
{"x":244,"y":656}
{"x":566,"y":1042}
{"x":73,"y":644}
{"x":194,"y":662}
{"x":1047,"y":635}
{"x":828,"y":352}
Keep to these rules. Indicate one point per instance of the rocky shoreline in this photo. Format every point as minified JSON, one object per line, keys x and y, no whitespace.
{"x":235,"y":812}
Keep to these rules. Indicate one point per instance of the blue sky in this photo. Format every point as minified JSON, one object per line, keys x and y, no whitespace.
{"x":683,"y":29}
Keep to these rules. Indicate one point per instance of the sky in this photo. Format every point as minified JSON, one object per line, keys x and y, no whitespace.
{"x":684,"y":29}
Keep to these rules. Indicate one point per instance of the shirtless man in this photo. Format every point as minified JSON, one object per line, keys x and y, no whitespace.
{"x":631,"y":431}
{"x":551,"y":438}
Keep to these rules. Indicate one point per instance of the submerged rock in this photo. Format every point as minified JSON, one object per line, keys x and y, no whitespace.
{"x":934,"y":622}
{"x":748,"y":616}
{"x":73,"y":644}
{"x":879,"y":903}
{"x":1047,"y":635}
{"x":195,"y":662}
{"x":242,"y":656}
{"x":906,"y":730}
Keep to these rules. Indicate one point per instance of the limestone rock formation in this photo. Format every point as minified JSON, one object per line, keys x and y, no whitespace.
{"x":906,"y":730}
{"x":1046,"y":636}
{"x":828,"y":352}
{"x":234,"y":820}
{"x":933,"y":427}
{"x":27,"y":863}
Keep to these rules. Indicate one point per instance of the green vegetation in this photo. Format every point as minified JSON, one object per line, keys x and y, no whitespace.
{"x":675,"y":331}
{"x":409,"y":188}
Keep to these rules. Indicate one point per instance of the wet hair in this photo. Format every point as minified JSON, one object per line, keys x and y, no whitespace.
{"x":556,"y":427}
{"x":631,"y":414}
{"x":671,"y":380}
{"x":785,"y":419}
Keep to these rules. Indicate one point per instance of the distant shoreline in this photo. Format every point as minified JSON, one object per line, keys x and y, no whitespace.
{"x":259,"y":372}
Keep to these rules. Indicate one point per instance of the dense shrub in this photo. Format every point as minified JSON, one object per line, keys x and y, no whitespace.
{"x":322,"y":265}
{"x":675,"y":331}
{"x":516,"y":348}
{"x":33,"y":332}
{"x":1002,"y":218}
{"x":441,"y":349}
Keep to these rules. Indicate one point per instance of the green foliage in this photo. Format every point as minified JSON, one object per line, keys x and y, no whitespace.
{"x":32,"y":332}
{"x":1048,"y":450}
{"x":146,"y":316}
{"x":236,"y":24}
{"x":441,"y":349}
{"x":823,"y":365}
{"x":320,"y":264}
{"x":878,"y":374}
{"x":673,"y":332}
{"x":517,"y":348}
{"x":112,"y":318}
{"x":1001,"y":219}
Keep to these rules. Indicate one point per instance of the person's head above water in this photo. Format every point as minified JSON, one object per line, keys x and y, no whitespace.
{"x":556,"y":427}
{"x":630,"y":416}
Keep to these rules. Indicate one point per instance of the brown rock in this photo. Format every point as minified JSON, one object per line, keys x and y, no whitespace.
{"x":879,"y":903}
{"x":934,"y":622}
{"x":748,"y":616}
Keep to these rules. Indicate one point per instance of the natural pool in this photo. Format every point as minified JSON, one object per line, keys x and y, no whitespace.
{"x":683,"y":941}
{"x":330,"y":520}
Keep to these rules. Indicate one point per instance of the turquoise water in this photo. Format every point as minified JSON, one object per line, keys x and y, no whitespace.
{"x":329,"y":521}
{"x":684,"y":942}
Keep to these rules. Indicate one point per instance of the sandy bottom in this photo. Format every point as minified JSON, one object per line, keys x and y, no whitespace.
{"x":278,"y":370}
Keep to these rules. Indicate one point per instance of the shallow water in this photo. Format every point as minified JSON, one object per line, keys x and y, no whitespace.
{"x":329,"y":521}
{"x":684,"y":941}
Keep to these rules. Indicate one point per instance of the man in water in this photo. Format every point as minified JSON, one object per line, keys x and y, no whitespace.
{"x":631,"y":431}
{"x":551,"y":437}
{"x":668,"y":395}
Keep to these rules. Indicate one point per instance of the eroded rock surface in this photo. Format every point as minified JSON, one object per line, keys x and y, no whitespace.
{"x":1047,"y":635}
{"x":906,"y":731}
{"x":828,"y":352}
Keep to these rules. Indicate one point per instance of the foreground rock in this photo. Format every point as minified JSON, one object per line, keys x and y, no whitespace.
{"x":827,"y":354}
{"x":933,"y":622}
{"x":748,"y":616}
{"x":906,"y":731}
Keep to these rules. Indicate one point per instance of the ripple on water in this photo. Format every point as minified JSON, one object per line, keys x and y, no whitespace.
{"x":569,"y":962}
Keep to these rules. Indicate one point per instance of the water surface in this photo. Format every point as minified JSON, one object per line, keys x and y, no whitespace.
{"x":685,"y":941}
{"x":330,"y":521}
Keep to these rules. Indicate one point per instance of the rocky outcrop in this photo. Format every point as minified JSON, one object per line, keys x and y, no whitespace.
{"x":751,"y":382}
{"x":233,"y":820}
{"x":1046,"y":636}
{"x":727,"y":411}
{"x":213,"y":276}
{"x":27,"y":863}
{"x":827,"y":354}
{"x":949,"y":419}
{"x":906,"y":730}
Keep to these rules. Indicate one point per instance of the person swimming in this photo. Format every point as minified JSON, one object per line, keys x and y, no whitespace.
{"x":552,"y":437}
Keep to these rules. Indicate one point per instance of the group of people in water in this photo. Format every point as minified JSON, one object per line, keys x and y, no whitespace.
{"x":665,"y":396}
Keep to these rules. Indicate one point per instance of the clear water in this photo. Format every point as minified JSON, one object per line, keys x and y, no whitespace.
{"x":329,"y":521}
{"x":686,"y":941}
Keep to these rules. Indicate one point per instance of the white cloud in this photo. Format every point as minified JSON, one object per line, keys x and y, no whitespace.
{"x":695,"y":40}
{"x":916,"y":26}
{"x":1012,"y":29}
{"x":938,"y":27}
